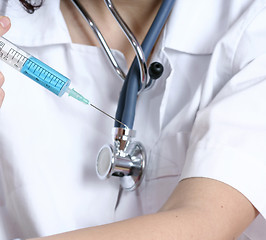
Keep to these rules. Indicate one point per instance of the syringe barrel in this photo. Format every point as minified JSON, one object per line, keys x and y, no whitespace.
{"x":33,"y":68}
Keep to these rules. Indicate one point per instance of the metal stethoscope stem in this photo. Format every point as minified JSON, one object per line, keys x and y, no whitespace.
{"x":100,"y":37}
{"x":133,"y":41}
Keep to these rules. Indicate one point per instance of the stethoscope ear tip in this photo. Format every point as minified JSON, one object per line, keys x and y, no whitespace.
{"x":156,"y":70}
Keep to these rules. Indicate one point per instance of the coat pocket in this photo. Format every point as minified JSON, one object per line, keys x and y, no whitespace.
{"x":165,"y":163}
{"x":167,"y":157}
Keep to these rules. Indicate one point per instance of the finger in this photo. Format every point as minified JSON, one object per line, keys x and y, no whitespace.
{"x":2,"y":79}
{"x":4,"y":24}
{"x":2,"y":95}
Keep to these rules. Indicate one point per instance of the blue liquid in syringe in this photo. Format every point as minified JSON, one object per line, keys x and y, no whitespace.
{"x":45,"y":76}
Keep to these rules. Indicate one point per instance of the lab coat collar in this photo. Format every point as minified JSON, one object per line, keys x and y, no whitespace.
{"x":45,"y":26}
{"x":184,"y":37}
{"x":36,"y":30}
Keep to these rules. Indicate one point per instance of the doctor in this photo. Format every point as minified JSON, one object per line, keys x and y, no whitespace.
{"x":203,"y":125}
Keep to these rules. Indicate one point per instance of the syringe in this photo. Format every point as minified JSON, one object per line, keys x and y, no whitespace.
{"x":37,"y":70}
{"x":40,"y":72}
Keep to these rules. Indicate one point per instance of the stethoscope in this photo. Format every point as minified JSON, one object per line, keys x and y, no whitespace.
{"x":126,"y":158}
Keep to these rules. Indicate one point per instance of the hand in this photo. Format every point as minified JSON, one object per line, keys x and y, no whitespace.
{"x":4,"y":27}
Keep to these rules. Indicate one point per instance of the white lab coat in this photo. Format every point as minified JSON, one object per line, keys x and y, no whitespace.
{"x":205,"y":117}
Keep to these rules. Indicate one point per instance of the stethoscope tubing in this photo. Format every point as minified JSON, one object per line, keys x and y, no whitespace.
{"x":129,"y":93}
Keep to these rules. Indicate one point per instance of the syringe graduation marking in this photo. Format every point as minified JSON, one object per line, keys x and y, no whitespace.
{"x":2,"y":44}
{"x":13,"y":56}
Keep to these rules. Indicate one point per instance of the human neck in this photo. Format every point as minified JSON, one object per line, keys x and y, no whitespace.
{"x":138,"y":15}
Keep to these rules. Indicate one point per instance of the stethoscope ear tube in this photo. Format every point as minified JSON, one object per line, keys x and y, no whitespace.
{"x":134,"y":43}
{"x":100,"y":38}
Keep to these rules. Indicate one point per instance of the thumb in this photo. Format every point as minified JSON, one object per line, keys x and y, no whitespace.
{"x":4,"y":25}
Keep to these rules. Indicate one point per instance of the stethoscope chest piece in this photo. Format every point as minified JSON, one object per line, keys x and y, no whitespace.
{"x":125,"y":159}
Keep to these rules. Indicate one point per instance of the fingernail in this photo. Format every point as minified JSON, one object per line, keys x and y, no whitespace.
{"x":4,"y":21}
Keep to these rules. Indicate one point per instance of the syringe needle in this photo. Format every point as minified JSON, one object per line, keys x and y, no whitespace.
{"x":78,"y":96}
{"x":109,"y":115}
